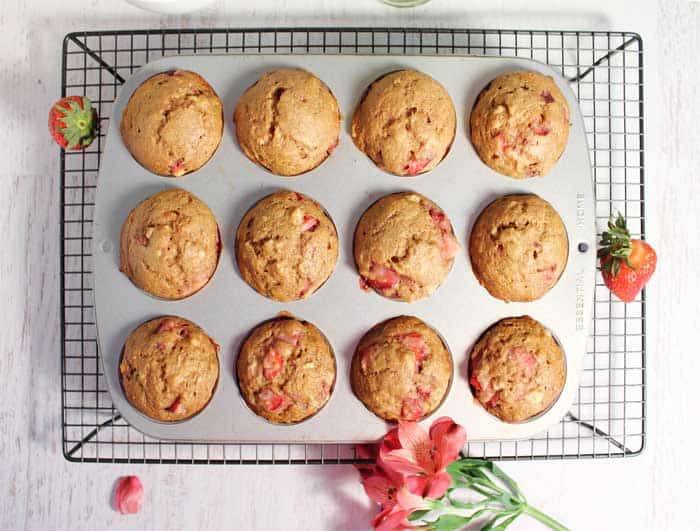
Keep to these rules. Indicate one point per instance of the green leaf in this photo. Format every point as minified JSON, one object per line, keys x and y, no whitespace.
{"x":501,"y":520}
{"x":505,"y":523}
{"x":505,"y":478}
{"x":470,"y":505}
{"x":450,"y":522}
{"x":417,"y":515}
{"x":502,"y":502}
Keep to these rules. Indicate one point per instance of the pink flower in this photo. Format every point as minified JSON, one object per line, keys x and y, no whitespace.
{"x":129,"y":495}
{"x":395,"y":518}
{"x":421,"y":458}
{"x":388,"y":490}
{"x":410,"y":468}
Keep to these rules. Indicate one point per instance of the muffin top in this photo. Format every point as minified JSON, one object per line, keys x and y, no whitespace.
{"x":517,"y":369}
{"x":286,"y":370}
{"x":518,"y":248}
{"x":173,"y":123}
{"x":405,"y":123}
{"x":288,"y":121}
{"x":404,"y":246}
{"x":170,"y":244}
{"x":169,"y":368}
{"x":520,"y":124}
{"x":401,"y":369}
{"x":286,"y":246}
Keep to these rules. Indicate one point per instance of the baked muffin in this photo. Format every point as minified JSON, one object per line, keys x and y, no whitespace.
{"x":401,"y":369}
{"x":405,"y":123}
{"x":516,"y":369}
{"x":288,"y":121}
{"x":286,"y":246}
{"x":170,"y":244}
{"x":173,"y":123}
{"x":286,"y":370}
{"x":169,"y":368}
{"x":518,"y":248}
{"x":520,"y":124}
{"x":404,"y":246}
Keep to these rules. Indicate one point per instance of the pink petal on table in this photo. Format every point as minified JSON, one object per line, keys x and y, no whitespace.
{"x":128,"y":497}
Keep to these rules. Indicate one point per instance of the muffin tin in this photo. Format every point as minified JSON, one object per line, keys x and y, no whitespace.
{"x":345,"y":184}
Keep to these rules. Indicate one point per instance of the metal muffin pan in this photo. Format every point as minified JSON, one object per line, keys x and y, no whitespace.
{"x":345,"y":185}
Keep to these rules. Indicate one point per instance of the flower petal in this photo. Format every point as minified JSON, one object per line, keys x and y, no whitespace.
{"x":405,"y":499}
{"x":437,"y":485}
{"x":366,"y":469}
{"x":129,"y":495}
{"x":412,"y":436}
{"x":391,"y":440}
{"x":366,"y":451}
{"x":391,"y":520}
{"x":381,"y":490}
{"x":416,"y":484}
{"x":400,"y":461}
{"x":449,"y":439}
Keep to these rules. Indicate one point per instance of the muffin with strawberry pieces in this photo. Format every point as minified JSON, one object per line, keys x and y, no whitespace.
{"x":286,"y":370}
{"x":405,"y":123}
{"x":404,"y":246}
{"x":170,"y":244}
{"x":286,"y":246}
{"x":518,"y":248}
{"x":169,"y":368}
{"x":520,"y":124}
{"x":517,"y":369}
{"x":173,"y":123}
{"x":288,"y":121}
{"x":401,"y":369}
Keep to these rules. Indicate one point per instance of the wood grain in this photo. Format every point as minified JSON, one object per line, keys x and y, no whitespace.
{"x":42,"y":491}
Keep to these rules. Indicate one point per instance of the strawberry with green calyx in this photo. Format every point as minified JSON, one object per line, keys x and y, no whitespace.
{"x":73,"y":122}
{"x":626,"y":264}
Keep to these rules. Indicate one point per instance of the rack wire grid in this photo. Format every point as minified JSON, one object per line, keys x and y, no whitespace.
{"x":608,"y":417}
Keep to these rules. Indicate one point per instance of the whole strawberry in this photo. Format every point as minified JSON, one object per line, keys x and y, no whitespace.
{"x":626,"y":264}
{"x":73,"y":122}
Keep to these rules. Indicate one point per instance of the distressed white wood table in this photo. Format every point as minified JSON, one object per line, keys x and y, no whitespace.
{"x":40,"y":490}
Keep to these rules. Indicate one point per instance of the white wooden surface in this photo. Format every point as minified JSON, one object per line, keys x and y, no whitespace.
{"x":40,"y":490}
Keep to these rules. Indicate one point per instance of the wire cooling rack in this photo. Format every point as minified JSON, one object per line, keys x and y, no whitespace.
{"x":608,"y":417}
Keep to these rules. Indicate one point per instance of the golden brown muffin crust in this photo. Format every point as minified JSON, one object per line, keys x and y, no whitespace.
{"x":520,"y":124}
{"x":517,"y":369}
{"x":405,"y":123}
{"x":173,"y":123}
{"x":518,"y":248}
{"x":170,"y":244}
{"x":169,"y":368}
{"x":286,"y":370}
{"x":404,"y":246}
{"x":286,"y":246}
{"x":288,"y":121}
{"x":401,"y":369}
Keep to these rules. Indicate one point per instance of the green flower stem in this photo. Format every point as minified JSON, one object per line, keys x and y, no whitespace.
{"x":543,"y":518}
